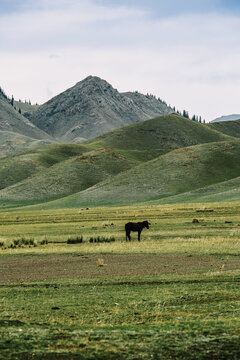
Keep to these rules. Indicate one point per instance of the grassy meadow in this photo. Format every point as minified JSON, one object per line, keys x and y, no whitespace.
{"x":174,"y":295}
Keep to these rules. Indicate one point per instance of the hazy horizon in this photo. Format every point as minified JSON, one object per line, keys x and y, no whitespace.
{"x":185,"y":52}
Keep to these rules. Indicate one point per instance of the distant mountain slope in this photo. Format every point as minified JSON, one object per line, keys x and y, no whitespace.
{"x":11,"y":142}
{"x":25,"y":108}
{"x":226,"y":118}
{"x":93,"y":107}
{"x":231,"y":128}
{"x":11,"y":120}
{"x":173,"y":173}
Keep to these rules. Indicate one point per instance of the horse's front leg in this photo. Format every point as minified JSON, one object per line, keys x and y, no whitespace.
{"x":139,"y":233}
{"x":128,"y":237}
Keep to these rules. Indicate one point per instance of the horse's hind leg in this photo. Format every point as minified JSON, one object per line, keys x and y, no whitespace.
{"x":139,"y":233}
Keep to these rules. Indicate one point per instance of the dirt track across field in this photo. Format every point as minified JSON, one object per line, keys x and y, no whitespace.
{"x":16,"y":268}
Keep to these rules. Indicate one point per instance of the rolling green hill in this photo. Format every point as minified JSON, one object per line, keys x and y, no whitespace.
{"x":176,"y":172}
{"x":58,"y":170}
{"x":224,"y":191}
{"x":68,"y":176}
{"x":146,"y":140}
{"x":18,"y":167}
{"x":231,"y":128}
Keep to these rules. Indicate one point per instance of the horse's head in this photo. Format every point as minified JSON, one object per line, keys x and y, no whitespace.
{"x":146,"y":224}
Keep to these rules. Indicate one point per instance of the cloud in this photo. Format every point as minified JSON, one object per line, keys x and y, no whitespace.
{"x":189,"y":59}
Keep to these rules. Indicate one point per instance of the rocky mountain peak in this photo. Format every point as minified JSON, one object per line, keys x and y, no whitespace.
{"x":94,"y":85}
{"x":93,"y":107}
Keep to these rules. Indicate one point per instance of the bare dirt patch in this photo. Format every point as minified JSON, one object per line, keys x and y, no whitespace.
{"x":17,"y":268}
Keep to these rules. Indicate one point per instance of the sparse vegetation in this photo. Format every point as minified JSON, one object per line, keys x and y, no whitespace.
{"x":101,"y":239}
{"x":174,"y":295}
{"x":21,"y":243}
{"x":75,"y":240}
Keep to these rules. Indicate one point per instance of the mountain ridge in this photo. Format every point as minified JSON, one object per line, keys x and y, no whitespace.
{"x":226,"y":118}
{"x":93,"y":107}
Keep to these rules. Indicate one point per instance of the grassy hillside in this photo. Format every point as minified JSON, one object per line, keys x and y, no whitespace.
{"x":67,"y":176}
{"x":224,"y":191}
{"x":16,"y":168}
{"x":173,"y":173}
{"x":231,"y":128}
{"x":149,"y":139}
{"x":59,"y":170}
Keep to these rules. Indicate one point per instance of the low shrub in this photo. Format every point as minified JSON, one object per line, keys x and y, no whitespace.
{"x":101,"y":239}
{"x":22,"y":242}
{"x":77,"y":240}
{"x":43,"y":242}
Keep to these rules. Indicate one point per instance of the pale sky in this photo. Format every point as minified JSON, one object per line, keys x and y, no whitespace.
{"x":186,"y":52}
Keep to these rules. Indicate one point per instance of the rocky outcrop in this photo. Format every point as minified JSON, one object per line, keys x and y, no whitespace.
{"x":93,"y":107}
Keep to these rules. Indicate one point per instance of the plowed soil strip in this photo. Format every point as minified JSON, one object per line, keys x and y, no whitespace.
{"x":29,"y":268}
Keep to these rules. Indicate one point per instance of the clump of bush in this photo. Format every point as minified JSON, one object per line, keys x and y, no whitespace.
{"x":43,"y":242}
{"x":76,"y":240}
{"x":101,"y":239}
{"x":21,"y":242}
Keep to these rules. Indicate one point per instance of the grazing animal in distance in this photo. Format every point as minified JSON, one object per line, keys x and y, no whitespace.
{"x":135,"y":227}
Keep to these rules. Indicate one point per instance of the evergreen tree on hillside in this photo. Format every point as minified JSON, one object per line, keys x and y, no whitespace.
{"x":3,"y":93}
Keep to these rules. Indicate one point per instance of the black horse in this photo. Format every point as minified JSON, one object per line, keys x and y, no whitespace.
{"x":135,"y":227}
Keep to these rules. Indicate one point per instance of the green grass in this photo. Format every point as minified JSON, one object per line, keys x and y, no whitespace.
{"x":172,"y":230}
{"x":166,"y":316}
{"x":190,"y":319}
